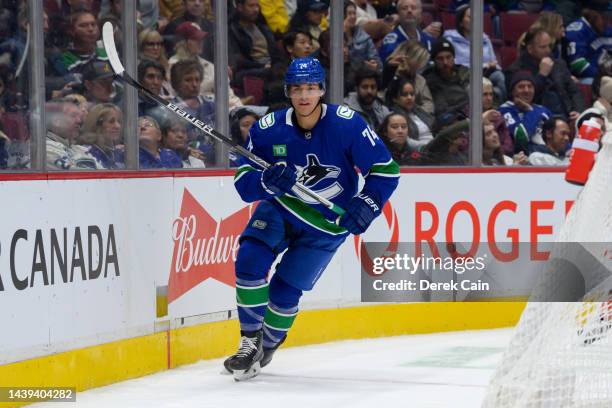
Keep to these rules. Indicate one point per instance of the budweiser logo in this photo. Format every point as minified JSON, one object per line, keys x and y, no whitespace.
{"x":203,"y":247}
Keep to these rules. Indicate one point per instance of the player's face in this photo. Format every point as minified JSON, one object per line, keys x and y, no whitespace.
{"x":540,"y":47}
{"x":487,"y":97}
{"x":366,"y":91}
{"x":491,"y":138}
{"x":189,"y":85}
{"x":397,"y":130}
{"x":560,"y":137}
{"x":111,"y":128}
{"x":409,"y":12}
{"x":177,"y":137}
{"x":305,"y":97}
{"x":406,"y":97}
{"x":524,"y":90}
{"x":302,"y":47}
{"x":153,"y":80}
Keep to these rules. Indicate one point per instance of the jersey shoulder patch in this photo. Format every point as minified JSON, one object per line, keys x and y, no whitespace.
{"x":345,"y":112}
{"x":267,"y":121}
{"x":575,"y":26}
{"x":390,"y":38}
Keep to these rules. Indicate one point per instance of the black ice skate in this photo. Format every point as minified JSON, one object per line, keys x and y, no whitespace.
{"x":268,"y":353}
{"x":245,"y":363}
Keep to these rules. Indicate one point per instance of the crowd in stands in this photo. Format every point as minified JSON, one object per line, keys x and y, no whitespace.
{"x":406,"y":71}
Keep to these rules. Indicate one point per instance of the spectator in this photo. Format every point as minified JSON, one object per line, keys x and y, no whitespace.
{"x":252,"y":47}
{"x":361,"y":47}
{"x":523,"y":117}
{"x":490,"y":114}
{"x":555,"y":88}
{"x":81,"y":103}
{"x":410,"y":58}
{"x":552,"y":23}
{"x":297,"y":44}
{"x":195,"y":11}
{"x":151,"y":75}
{"x":365,"y":99}
{"x":460,"y":38}
{"x":309,"y":17}
{"x":450,"y":146}
{"x":587,"y":39}
{"x":63,"y":120}
{"x":102,"y":129}
{"x":394,"y":133}
{"x":150,"y":153}
{"x":186,"y":78}
{"x":174,"y":137}
{"x":556,"y":133}
{"x":277,"y":14}
{"x":98,"y":82}
{"x":401,"y":97}
{"x":409,"y":13}
{"x":190,"y":47}
{"x":84,"y":48}
{"x":448,"y":82}
{"x":151,"y":46}
{"x":367,"y":18}
{"x":241,"y":121}
{"x":492,"y":153}
{"x":324,"y":57}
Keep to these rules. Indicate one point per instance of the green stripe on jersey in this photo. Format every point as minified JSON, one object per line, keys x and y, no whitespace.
{"x":309,"y":215}
{"x":242,"y":170}
{"x":387,"y":169}
{"x":278,"y":320}
{"x":579,"y":65}
{"x":247,"y":296}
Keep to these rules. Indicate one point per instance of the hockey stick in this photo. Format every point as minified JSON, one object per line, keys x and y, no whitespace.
{"x":111,"y":50}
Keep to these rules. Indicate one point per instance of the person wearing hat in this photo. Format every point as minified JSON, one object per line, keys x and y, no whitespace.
{"x":588,"y":38}
{"x":195,"y":11}
{"x":554,"y":86}
{"x":98,"y":82}
{"x":309,"y":17}
{"x":523,"y":117}
{"x":447,"y":81}
{"x":190,"y":46}
{"x":409,"y":13}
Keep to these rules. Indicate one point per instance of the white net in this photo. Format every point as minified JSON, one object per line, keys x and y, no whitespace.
{"x":561,"y":353}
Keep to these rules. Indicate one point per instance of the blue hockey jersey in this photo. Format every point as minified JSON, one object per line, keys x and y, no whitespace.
{"x":325,"y":159}
{"x":525,"y":127}
{"x":398,"y":36}
{"x":585,"y":46}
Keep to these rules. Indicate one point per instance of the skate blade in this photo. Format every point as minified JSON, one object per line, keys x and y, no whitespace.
{"x":243,"y":375}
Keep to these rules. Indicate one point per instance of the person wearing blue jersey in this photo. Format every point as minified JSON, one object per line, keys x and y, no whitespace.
{"x":318,"y":145}
{"x":587,"y":39}
{"x":409,"y":13}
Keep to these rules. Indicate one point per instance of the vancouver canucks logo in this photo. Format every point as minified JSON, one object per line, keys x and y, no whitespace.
{"x":315,"y":172}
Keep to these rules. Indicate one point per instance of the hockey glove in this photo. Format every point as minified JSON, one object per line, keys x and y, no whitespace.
{"x":360,"y":212}
{"x":278,"y":179}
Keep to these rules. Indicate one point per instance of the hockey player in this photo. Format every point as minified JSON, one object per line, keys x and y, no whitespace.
{"x":318,"y":145}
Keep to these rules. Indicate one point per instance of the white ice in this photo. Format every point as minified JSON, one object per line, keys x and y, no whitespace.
{"x":421,"y":371}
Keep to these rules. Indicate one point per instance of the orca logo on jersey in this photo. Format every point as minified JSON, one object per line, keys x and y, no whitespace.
{"x":313,"y":173}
